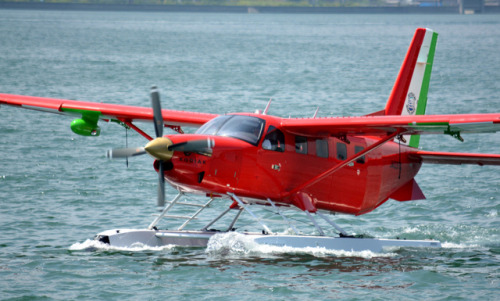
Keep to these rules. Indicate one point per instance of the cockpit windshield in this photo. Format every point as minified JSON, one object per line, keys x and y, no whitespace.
{"x":246,"y":128}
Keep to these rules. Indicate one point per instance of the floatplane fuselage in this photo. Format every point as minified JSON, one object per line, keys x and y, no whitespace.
{"x":345,"y":175}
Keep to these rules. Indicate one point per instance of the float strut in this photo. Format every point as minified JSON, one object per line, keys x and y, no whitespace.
{"x":216,"y":219}
{"x":332,"y":223}
{"x":196,"y":213}
{"x":162,"y":214}
{"x":321,"y":233}
{"x":230,"y":228}
{"x":284,"y":217}
{"x":250,"y":212}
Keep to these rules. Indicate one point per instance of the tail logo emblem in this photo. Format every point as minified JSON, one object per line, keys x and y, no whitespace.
{"x":411,"y":104}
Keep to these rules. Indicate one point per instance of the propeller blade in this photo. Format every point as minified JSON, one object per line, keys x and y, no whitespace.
{"x":161,"y":186}
{"x":125,"y":152}
{"x":157,"y":117}
{"x":202,"y":145}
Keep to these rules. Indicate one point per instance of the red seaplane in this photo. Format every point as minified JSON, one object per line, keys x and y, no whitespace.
{"x":348,"y":165}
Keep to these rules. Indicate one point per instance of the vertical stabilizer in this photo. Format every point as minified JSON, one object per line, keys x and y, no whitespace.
{"x":409,"y":94}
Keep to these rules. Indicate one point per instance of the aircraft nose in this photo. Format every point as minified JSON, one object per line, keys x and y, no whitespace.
{"x":159,"y":148}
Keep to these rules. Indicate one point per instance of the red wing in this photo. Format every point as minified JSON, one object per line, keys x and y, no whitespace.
{"x":107,"y":111}
{"x":384,"y":125}
{"x":456,"y":158}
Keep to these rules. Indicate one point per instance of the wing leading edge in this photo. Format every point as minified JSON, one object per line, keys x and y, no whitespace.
{"x":383,"y":125}
{"x":105,"y":111}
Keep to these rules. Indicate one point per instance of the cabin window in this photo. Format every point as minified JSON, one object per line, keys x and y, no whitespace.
{"x":301,"y":145}
{"x":322,"y":148}
{"x":274,"y":140}
{"x":358,"y":149}
{"x":341,"y":151}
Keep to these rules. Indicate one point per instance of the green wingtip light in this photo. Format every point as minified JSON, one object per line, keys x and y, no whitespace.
{"x":85,"y":128}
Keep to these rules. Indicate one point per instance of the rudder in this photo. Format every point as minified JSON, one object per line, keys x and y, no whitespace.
{"x":409,"y":94}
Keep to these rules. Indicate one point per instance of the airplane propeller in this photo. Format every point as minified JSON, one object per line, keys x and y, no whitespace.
{"x":162,"y":148}
{"x":158,"y":147}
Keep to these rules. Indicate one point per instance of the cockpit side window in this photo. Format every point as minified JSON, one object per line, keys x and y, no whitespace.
{"x":274,"y":140}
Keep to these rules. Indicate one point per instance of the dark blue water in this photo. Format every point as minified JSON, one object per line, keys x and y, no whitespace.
{"x":57,"y":189}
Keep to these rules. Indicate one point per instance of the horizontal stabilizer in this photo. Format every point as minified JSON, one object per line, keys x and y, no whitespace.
{"x":408,"y":192}
{"x":456,"y":158}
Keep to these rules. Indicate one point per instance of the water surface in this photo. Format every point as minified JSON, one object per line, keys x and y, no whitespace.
{"x":57,"y":189}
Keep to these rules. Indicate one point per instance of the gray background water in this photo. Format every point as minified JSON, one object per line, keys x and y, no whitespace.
{"x":57,"y":189}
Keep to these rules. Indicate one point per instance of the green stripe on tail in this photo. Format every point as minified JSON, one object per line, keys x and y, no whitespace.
{"x":422,"y":99}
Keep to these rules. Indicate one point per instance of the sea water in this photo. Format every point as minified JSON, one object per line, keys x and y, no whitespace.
{"x":57,"y":189}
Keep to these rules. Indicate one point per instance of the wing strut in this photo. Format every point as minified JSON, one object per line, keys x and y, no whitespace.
{"x":135,"y":128}
{"x":344,"y":163}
